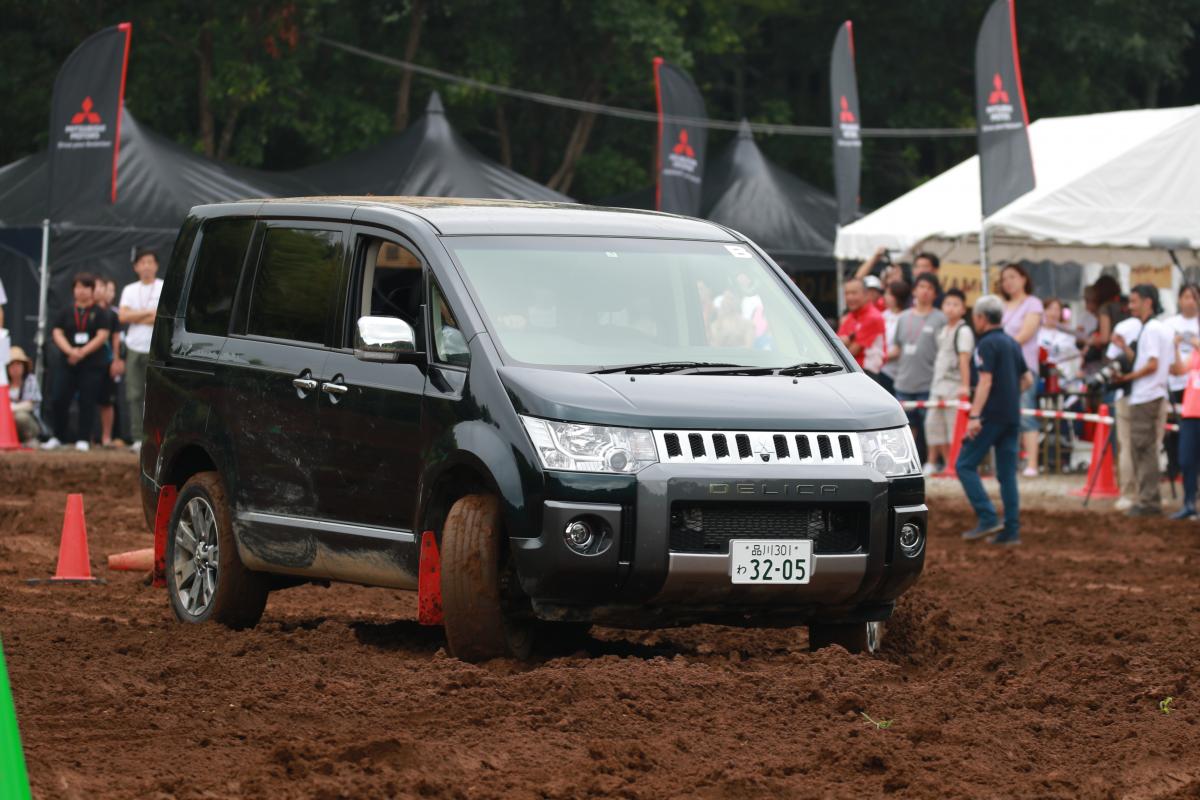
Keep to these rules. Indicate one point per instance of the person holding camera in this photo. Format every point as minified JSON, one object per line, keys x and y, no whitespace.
{"x":1152,"y":355}
{"x":1000,"y":375}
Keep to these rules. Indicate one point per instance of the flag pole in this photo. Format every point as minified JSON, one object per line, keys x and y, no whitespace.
{"x":43,"y":298}
{"x":983,"y":259}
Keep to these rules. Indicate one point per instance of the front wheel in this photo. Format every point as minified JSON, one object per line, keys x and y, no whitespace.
{"x":856,"y":637}
{"x":484,"y":614}
{"x":205,"y":578}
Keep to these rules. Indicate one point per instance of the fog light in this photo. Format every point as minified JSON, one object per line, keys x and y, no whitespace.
{"x":911,"y":540}
{"x":580,"y":536}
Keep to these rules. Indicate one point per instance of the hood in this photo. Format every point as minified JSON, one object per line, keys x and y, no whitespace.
{"x":845,"y":402}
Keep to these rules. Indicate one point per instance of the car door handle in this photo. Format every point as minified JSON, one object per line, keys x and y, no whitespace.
{"x":334,"y":388}
{"x":304,"y":384}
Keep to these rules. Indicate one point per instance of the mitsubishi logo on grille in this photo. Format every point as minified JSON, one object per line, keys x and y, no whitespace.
{"x":765,"y":447}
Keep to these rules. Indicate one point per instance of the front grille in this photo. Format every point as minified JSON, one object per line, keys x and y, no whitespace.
{"x":709,"y":527}
{"x":783,"y":448}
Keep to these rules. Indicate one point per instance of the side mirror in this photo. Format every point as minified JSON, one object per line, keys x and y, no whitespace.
{"x":383,"y":339}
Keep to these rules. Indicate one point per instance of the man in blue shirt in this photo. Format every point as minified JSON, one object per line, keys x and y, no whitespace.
{"x":999,"y":373}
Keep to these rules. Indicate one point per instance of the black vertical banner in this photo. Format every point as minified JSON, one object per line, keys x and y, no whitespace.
{"x":85,"y":121}
{"x":1005,"y":160}
{"x":847,"y":146}
{"x":681,"y":147}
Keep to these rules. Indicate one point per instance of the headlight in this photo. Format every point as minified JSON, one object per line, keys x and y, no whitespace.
{"x":590,"y":448}
{"x":892,"y":452}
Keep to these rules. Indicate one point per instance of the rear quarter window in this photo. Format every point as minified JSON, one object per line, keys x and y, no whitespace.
{"x":168,"y":302}
{"x":214,"y":282}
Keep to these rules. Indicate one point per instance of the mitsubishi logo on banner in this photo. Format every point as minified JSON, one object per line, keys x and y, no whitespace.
{"x":846,"y":115}
{"x":687,"y":160}
{"x":999,"y":110}
{"x":85,"y":129}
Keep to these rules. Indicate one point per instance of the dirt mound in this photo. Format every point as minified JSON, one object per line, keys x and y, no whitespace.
{"x":1035,"y":671}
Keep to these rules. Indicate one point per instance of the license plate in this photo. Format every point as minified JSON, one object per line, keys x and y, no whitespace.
{"x":770,"y":561}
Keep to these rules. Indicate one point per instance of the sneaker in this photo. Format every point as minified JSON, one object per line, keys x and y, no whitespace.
{"x":82,"y":446}
{"x":1187,"y":512}
{"x":1030,"y":472}
{"x":980,"y":532}
{"x":1142,"y":511}
{"x":929,"y":469}
{"x":136,"y":447}
{"x":1123,"y":504}
{"x":51,"y":444}
{"x":1004,"y":540}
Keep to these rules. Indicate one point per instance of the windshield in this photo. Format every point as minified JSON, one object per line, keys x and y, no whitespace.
{"x":603,"y":302}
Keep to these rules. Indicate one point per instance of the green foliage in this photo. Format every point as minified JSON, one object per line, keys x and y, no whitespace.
{"x":880,"y":724}
{"x":277,"y":99}
{"x":1165,"y":705}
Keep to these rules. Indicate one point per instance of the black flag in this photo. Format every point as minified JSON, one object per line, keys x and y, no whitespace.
{"x":847,"y":146}
{"x":1005,"y":161}
{"x":85,"y":121}
{"x":680,"y":160}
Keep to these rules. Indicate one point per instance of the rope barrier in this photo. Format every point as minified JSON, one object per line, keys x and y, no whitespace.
{"x":1039,"y":413}
{"x":638,"y":114}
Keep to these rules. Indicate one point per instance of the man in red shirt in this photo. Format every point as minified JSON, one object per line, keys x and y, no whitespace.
{"x":862,"y":329}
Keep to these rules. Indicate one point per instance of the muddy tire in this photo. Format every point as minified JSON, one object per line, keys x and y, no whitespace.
{"x":478,"y":585}
{"x":856,"y":637}
{"x":205,"y":577}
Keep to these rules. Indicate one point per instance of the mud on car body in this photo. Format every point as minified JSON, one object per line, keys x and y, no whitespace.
{"x":599,"y":415}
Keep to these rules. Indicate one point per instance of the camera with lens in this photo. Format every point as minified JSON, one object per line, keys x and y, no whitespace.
{"x":1106,"y":376}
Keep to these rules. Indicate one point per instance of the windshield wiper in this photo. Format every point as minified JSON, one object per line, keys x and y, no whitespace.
{"x":810,"y":368}
{"x":659,"y":367}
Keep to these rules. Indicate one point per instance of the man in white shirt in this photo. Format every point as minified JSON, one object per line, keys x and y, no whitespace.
{"x":138,"y":307}
{"x":1147,"y":387}
{"x":1127,"y":330}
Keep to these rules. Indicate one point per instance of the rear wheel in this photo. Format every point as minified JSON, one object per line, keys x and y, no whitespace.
{"x":205,"y":578}
{"x":484,"y":613}
{"x":856,"y":637}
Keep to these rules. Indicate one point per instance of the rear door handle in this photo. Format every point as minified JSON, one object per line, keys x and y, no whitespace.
{"x":334,"y":388}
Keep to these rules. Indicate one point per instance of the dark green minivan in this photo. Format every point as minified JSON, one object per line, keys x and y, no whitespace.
{"x":565,"y":415}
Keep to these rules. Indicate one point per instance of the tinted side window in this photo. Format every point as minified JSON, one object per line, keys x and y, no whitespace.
{"x":215,"y":278}
{"x":296,"y":281}
{"x":173,"y":277}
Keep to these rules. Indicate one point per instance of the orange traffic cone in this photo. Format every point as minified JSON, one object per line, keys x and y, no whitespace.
{"x":74,"y":565}
{"x":960,"y":431}
{"x":1100,"y":472}
{"x":133,"y":561}
{"x":8,"y":423}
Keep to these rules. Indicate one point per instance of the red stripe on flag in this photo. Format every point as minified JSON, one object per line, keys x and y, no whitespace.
{"x":658,"y":143}
{"x":127,"y":28}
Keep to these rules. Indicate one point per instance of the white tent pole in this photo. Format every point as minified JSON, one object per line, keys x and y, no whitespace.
{"x":43,"y":298}
{"x":983,"y":259}
{"x":840,"y":266}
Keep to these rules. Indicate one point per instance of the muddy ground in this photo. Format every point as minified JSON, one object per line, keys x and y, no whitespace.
{"x":1031,"y":672}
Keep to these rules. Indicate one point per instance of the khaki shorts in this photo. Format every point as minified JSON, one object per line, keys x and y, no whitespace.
{"x":939,"y":423}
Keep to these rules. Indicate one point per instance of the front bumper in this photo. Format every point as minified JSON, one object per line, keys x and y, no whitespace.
{"x":639,"y":578}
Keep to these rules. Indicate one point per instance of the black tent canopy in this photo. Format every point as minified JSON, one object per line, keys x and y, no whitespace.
{"x":428,"y":159}
{"x":158,"y":181}
{"x":788,"y":217}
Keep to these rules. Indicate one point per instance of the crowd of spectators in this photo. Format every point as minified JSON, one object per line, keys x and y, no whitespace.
{"x":99,"y":347}
{"x":923,"y":343}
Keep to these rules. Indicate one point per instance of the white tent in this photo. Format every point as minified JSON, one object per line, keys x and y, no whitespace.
{"x":1106,"y":184}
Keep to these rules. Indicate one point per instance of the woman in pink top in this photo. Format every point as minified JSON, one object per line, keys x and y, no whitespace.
{"x":1189,"y":427}
{"x":1022,"y":319}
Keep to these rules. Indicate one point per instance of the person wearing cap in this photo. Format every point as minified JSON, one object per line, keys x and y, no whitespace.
{"x":1152,"y":355}
{"x":137,"y":309}
{"x":24,"y":396}
{"x":874,"y":289}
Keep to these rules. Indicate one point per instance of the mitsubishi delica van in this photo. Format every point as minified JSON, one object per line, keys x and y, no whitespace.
{"x":572,"y":415}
